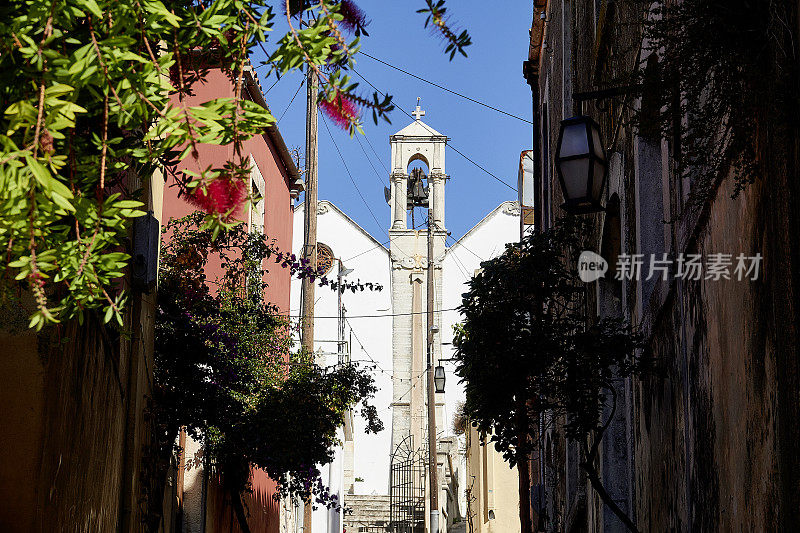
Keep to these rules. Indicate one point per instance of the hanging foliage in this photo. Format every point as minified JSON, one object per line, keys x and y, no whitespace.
{"x":725,"y":81}
{"x":93,"y":95}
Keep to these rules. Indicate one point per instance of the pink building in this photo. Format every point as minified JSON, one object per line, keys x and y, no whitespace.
{"x":278,"y":181}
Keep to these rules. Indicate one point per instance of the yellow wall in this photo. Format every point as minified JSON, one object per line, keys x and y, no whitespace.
{"x":493,"y":486}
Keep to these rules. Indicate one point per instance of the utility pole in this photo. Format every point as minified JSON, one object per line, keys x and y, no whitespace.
{"x":432,"y":458}
{"x":310,"y":237}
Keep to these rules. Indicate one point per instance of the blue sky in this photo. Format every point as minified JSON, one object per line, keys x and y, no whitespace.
{"x":491,"y":73}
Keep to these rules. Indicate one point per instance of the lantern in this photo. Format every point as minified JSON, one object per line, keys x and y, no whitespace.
{"x":438,"y":378}
{"x":581,"y":165}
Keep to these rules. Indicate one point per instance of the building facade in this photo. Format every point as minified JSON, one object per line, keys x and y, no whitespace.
{"x":205,"y":505}
{"x":707,"y":442}
{"x":492,"y":490}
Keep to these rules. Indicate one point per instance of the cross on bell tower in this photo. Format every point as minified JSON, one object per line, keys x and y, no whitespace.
{"x":418,"y":112}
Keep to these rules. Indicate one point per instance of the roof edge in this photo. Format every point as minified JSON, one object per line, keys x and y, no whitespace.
{"x":507,"y":203}
{"x":346,"y":216}
{"x":296,"y":183}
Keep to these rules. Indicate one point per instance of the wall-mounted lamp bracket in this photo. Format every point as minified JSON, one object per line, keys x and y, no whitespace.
{"x":604,"y":94}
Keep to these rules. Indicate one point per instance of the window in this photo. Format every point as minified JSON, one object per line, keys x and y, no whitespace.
{"x":325,"y":259}
{"x":258,"y":188}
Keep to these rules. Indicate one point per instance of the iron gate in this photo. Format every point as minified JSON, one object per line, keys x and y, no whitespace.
{"x":407,"y":490}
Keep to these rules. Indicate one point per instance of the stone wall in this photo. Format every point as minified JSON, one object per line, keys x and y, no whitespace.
{"x":711,"y":434}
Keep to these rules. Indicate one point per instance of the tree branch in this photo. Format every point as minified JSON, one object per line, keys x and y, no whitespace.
{"x":591,"y":470}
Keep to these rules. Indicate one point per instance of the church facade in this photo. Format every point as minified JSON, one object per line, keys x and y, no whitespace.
{"x":388,"y":330}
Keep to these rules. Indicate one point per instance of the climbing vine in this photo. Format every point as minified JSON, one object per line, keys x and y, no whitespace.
{"x":226,"y":373}
{"x":526,"y":348}
{"x":725,"y":81}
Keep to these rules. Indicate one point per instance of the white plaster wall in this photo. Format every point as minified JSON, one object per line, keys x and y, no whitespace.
{"x":326,"y":520}
{"x":371,"y":336}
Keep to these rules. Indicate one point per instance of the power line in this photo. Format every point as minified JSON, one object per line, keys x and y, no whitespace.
{"x":369,"y":161}
{"x":456,"y":243}
{"x":456,"y":150}
{"x":446,"y":89}
{"x":459,"y":264}
{"x":366,"y":138}
{"x":361,"y":344}
{"x":413,"y":382}
{"x":292,"y":100}
{"x":381,"y":316}
{"x":449,"y":145}
{"x":324,"y":121}
{"x":380,"y":245}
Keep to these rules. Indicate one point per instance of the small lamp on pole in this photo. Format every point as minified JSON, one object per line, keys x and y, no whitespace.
{"x":581,"y":165}
{"x":439,"y":378}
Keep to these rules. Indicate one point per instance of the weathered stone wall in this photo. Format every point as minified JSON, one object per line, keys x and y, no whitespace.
{"x":713,"y":431}
{"x":707,"y":448}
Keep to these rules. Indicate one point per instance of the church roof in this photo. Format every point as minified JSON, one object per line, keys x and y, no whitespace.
{"x":509,"y":207}
{"x":324,"y":204}
{"x":418,"y":129}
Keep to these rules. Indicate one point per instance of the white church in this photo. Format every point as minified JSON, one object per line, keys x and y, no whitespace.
{"x":386,"y":330}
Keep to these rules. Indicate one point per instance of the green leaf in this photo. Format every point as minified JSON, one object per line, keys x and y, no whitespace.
{"x":128,"y":204}
{"x":62,"y":202}
{"x":92,"y":6}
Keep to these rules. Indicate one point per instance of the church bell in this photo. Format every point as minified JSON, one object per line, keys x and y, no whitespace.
{"x":417,"y":191}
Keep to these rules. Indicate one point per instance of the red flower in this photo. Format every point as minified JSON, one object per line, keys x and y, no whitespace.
{"x":222,"y":195}
{"x":342,"y":110}
{"x":354,"y":19}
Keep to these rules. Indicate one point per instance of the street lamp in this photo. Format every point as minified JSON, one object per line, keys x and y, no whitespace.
{"x":438,"y":378}
{"x":581,"y":165}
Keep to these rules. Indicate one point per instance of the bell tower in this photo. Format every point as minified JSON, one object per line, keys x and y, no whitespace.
{"x":409,"y":262}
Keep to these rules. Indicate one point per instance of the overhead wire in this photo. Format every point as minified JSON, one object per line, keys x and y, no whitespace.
{"x":366,"y":138}
{"x":324,"y":121}
{"x":379,"y":245}
{"x":458,"y":243}
{"x":380,"y":179}
{"x":361,"y":344}
{"x":380,"y":316}
{"x":462,"y":245}
{"x":445,"y":88}
{"x":413,"y":384}
{"x":459,"y":264}
{"x":292,"y":100}
{"x":449,"y":145}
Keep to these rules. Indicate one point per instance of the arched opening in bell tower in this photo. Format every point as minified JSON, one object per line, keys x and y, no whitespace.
{"x":419,"y":191}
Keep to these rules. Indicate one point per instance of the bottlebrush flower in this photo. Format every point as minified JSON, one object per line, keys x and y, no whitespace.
{"x":222,"y":195}
{"x":342,"y":110}
{"x":354,"y":19}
